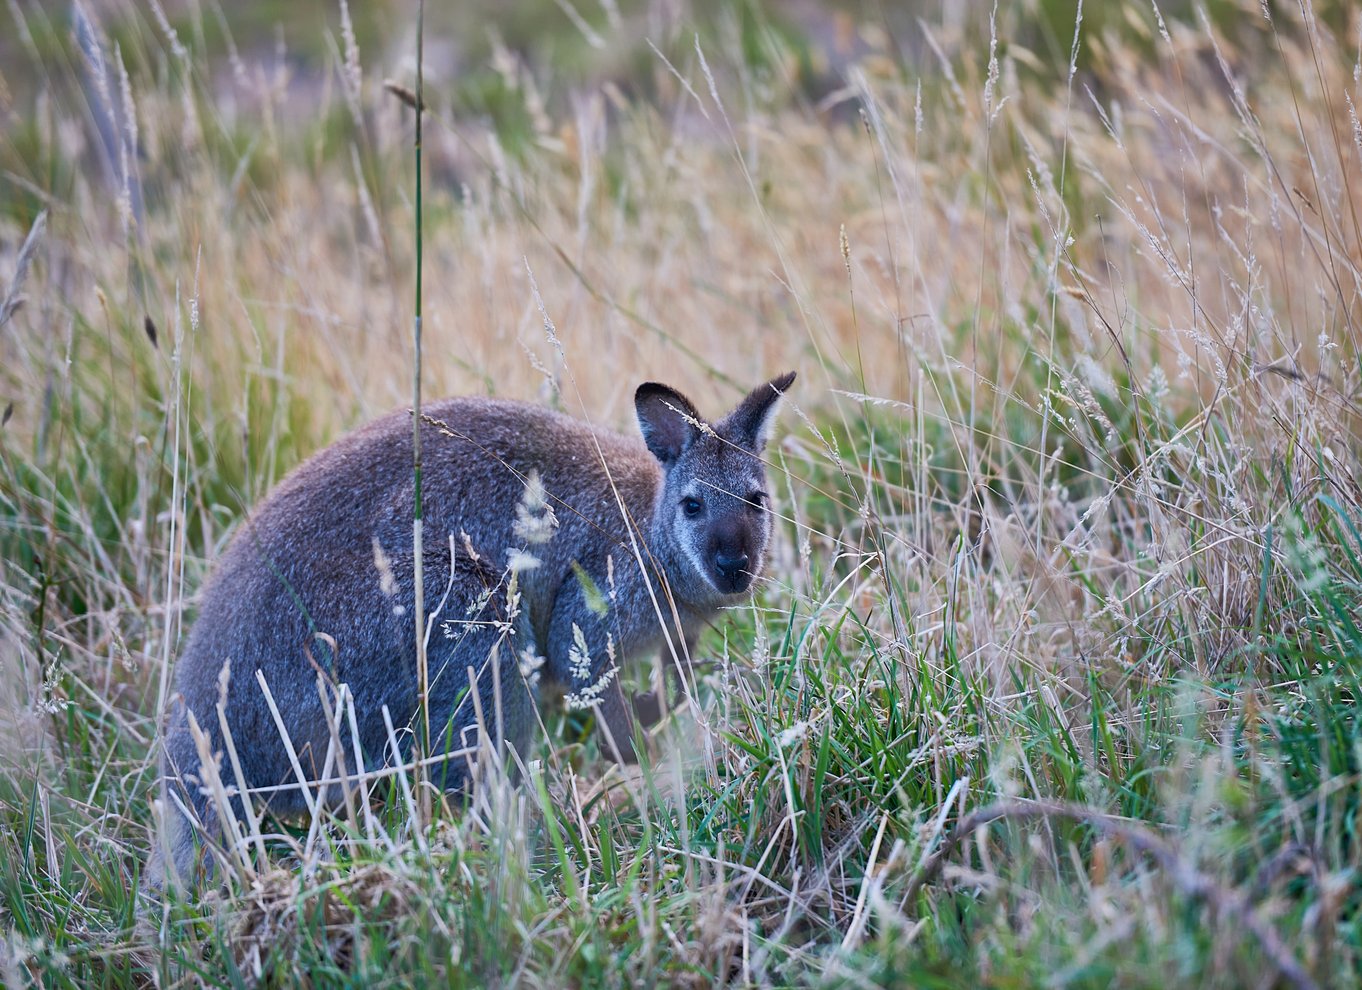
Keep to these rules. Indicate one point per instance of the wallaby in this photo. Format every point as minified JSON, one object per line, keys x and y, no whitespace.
{"x":551,"y":548}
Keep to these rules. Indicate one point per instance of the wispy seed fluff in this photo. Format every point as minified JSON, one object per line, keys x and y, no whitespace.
{"x":518,"y":561}
{"x":535,"y":521}
{"x":579,"y":660}
{"x":530,"y":665}
{"x":387,"y":583}
{"x":579,"y":656}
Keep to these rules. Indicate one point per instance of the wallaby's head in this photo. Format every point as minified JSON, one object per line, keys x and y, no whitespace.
{"x":711,"y":522}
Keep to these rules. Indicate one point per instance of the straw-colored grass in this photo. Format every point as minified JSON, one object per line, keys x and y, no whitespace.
{"x":1070,"y":528}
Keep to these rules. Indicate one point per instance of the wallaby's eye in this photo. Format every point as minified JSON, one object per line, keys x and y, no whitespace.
{"x":757,"y":500}
{"x":692,"y":506}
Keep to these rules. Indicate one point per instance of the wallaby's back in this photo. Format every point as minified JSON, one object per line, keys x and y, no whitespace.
{"x":304,"y":563}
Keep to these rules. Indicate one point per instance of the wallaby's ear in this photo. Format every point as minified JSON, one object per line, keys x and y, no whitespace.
{"x":667,"y":419}
{"x":750,"y":424}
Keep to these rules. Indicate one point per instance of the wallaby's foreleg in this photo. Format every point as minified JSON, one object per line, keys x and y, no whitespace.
{"x":617,"y":724}
{"x":673,"y":671}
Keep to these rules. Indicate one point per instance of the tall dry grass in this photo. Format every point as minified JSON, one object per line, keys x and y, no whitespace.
{"x":1068,"y":494}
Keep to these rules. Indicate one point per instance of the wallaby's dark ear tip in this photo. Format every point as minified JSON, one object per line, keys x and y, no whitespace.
{"x":647,"y":390}
{"x":666,"y":418}
{"x":750,"y":424}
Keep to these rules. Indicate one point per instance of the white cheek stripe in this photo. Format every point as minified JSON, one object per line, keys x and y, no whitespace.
{"x":696,"y":561}
{"x":688,"y":544}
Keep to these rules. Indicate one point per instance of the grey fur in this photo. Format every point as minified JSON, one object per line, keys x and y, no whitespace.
{"x":318,"y":584}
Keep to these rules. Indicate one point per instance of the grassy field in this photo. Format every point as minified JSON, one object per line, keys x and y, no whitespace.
{"x":1053,"y":678}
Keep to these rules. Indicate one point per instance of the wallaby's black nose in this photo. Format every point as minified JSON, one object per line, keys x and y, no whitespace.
{"x":731,"y":564}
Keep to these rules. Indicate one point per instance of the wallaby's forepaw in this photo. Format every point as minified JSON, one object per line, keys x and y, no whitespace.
{"x":648,"y":708}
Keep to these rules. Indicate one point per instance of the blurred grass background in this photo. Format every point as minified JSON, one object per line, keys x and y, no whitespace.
{"x":1068,"y":492}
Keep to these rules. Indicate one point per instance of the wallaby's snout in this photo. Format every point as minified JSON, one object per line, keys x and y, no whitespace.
{"x":736,"y":545}
{"x":733,"y":569}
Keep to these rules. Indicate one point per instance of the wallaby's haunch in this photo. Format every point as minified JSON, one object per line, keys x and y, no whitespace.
{"x":610,"y":542}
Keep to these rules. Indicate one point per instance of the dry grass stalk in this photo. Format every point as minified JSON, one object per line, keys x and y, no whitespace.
{"x":1223,"y":901}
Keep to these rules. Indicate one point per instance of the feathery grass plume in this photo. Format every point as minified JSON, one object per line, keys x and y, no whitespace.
{"x":352,"y":74}
{"x":14,"y":294}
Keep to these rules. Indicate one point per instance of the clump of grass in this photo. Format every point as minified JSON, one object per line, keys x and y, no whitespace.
{"x":1069,"y":520}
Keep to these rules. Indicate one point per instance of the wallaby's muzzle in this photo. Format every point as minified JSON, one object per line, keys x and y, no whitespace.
{"x":731,"y":570}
